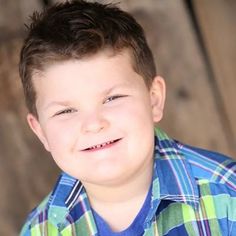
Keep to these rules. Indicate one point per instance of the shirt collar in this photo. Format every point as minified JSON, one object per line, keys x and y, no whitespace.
{"x":172,"y":180}
{"x":173,"y":173}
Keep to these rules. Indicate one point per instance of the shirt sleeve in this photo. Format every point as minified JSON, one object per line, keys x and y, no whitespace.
{"x":40,"y":229}
{"x":25,"y":231}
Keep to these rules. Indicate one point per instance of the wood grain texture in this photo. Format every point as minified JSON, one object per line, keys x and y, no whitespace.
{"x":23,"y":175}
{"x":217,"y":23}
{"x":13,"y":16}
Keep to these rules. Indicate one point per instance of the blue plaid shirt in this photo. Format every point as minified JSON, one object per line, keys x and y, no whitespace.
{"x":193,"y":193}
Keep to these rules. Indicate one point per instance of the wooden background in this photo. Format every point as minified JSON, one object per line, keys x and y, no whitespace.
{"x":194,"y":43}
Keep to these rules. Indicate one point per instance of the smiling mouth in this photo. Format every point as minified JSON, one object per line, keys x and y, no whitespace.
{"x":102,"y":145}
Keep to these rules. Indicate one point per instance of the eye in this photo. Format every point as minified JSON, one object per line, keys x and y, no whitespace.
{"x":66,"y":111}
{"x":112,"y":98}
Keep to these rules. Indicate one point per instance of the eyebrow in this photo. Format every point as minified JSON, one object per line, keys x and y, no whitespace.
{"x":105,"y":92}
{"x":58,"y":103}
{"x":116,"y":86}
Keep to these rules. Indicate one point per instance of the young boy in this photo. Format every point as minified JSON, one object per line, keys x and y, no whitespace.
{"x":93,"y":97}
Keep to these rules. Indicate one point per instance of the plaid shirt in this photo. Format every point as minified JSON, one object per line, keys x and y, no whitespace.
{"x":193,"y":193}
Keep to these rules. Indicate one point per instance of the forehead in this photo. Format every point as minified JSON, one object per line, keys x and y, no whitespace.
{"x":98,"y":72}
{"x":102,"y":56}
{"x":106,"y":63}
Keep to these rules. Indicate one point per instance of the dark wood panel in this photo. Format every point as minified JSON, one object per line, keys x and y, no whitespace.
{"x":27,"y":172}
{"x":217,"y":22}
{"x":13,"y":15}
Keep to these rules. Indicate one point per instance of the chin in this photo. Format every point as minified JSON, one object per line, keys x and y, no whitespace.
{"x":105,"y":179}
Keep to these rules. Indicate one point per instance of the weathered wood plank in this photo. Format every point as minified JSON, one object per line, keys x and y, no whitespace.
{"x":217,"y":22}
{"x":27,"y":173}
{"x":28,"y":7}
{"x":13,"y":15}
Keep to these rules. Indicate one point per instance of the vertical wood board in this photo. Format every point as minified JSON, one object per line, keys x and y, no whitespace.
{"x":217,"y":20}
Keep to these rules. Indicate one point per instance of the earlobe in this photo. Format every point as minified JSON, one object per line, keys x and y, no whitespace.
{"x":37,"y":129}
{"x":157,"y":95}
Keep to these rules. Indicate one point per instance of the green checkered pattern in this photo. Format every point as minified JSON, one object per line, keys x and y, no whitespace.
{"x":193,"y":193}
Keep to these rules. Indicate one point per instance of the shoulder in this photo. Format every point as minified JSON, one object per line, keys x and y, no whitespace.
{"x":50,"y":215}
{"x":212,"y":167}
{"x":36,"y":219}
{"x":34,"y":216}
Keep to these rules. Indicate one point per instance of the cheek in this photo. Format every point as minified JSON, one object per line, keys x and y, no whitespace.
{"x":132,"y":114}
{"x":59,"y":135}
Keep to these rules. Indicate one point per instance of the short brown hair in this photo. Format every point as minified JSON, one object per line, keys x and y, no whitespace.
{"x":76,"y":29}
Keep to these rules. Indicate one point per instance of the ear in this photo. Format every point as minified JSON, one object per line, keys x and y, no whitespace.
{"x":37,"y":129}
{"x":157,"y":96}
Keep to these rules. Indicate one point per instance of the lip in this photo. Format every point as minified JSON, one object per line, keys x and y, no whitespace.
{"x":102,"y":146}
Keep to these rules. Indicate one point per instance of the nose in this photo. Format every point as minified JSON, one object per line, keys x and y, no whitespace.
{"x":94,"y":123}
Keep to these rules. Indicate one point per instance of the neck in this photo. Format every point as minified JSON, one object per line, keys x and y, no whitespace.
{"x":132,"y":188}
{"x":111,"y":201}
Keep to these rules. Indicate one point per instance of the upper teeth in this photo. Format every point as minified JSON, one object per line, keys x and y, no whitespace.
{"x":101,"y":145}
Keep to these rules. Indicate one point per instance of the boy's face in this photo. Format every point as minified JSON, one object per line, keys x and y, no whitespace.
{"x":96,"y":117}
